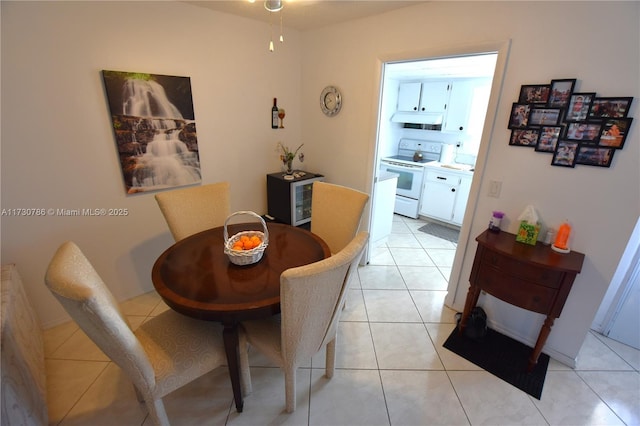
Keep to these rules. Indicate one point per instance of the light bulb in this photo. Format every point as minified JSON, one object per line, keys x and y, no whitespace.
{"x":273,"y":5}
{"x":271,"y":46}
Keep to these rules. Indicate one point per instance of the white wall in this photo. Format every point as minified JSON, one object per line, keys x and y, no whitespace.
{"x":58,"y":149}
{"x":549,"y":40}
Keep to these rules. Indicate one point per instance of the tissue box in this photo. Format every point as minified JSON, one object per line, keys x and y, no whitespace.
{"x":528,"y":233}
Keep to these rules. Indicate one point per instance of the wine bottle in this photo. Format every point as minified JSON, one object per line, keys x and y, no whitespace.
{"x":274,"y":114}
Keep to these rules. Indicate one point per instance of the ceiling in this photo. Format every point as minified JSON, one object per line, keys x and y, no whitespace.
{"x":305,"y":15}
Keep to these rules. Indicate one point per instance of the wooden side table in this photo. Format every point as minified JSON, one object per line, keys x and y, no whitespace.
{"x":534,"y":278}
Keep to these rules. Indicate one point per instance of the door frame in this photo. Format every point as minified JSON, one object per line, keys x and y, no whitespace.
{"x":620,"y":286}
{"x":501,"y":47}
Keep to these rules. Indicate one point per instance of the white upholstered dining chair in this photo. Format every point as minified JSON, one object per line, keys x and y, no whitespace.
{"x":163,"y":354}
{"x":336,"y":212}
{"x":310,"y":301}
{"x":191,"y":210}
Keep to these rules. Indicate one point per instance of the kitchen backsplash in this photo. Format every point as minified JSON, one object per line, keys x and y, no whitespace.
{"x":465,"y":154}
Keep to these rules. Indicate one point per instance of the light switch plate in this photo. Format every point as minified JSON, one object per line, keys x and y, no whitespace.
{"x":495,"y":186}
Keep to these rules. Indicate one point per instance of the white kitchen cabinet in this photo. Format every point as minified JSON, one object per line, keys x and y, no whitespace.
{"x":445,"y":194}
{"x":462,"y":197}
{"x":434,"y":96}
{"x":383,"y":204}
{"x":427,"y":97}
{"x":439,"y":194}
{"x":467,"y":106}
{"x":409,"y":97}
{"x":459,"y":107}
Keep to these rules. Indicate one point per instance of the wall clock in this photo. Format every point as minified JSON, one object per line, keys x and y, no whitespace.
{"x":330,"y":101}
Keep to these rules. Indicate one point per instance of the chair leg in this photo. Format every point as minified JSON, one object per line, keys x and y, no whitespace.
{"x":330,"y":358}
{"x":290,"y":388}
{"x":245,"y":372}
{"x":157,"y":413}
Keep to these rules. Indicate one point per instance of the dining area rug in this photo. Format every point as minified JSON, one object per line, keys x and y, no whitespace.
{"x":441,"y":231}
{"x":503,"y":357}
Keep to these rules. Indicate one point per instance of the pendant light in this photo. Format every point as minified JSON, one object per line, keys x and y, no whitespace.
{"x":274,"y":6}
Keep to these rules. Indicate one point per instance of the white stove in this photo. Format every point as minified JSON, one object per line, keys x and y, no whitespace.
{"x":407,"y":149}
{"x":409,"y":164}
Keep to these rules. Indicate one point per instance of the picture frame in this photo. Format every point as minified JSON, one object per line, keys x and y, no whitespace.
{"x":577,"y":128}
{"x":578,"y":108}
{"x":534,"y":94}
{"x":609,"y":107}
{"x":565,"y":153}
{"x":519,"y":117}
{"x":138,"y":102}
{"x":594,"y":155}
{"x":560,"y":92}
{"x":614,"y":132}
{"x":524,"y":137}
{"x":543,"y":116}
{"x":548,"y":138}
{"x":585,"y":131}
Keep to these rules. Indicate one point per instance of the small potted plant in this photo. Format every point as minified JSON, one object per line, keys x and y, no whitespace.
{"x":287,"y":156}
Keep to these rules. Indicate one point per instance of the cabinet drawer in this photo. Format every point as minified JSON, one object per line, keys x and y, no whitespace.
{"x":516,"y":291}
{"x":442,"y":177}
{"x":542,"y":276}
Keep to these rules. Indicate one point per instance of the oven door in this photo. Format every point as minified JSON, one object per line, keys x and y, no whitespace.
{"x":409,"y":178}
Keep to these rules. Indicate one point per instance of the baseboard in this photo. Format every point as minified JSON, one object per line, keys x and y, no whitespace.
{"x":553,"y":353}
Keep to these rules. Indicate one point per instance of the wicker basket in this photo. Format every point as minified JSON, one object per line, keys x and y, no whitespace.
{"x":245,"y":257}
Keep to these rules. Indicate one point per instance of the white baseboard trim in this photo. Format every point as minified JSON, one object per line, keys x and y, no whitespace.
{"x":553,"y":353}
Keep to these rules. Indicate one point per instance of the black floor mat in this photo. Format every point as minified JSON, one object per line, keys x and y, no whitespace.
{"x":440,"y":231}
{"x":503,"y":357}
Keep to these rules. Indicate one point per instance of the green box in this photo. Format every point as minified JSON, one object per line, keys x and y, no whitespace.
{"x":528,"y":233}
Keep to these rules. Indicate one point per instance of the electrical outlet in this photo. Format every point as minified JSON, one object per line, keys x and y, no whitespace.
{"x":495,"y":186}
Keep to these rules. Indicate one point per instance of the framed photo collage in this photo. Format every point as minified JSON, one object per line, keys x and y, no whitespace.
{"x":576,"y":127}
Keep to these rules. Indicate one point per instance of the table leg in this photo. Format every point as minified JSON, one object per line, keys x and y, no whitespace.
{"x":542,"y":338}
{"x":472,"y":300}
{"x":230,"y":337}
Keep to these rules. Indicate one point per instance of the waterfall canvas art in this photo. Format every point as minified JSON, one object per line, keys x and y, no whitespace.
{"x":155,"y":130}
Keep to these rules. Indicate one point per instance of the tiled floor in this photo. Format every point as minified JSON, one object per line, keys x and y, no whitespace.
{"x":391,"y":366}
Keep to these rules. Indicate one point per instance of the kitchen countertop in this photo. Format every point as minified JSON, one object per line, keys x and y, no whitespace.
{"x":465,"y":169}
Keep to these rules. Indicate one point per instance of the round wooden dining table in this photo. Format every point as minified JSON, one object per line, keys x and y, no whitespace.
{"x":196,"y":278}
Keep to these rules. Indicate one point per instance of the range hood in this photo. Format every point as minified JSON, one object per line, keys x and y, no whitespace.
{"x":417,"y":117}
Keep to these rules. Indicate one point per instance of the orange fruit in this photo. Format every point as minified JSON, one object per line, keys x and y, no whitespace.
{"x":248,"y":244}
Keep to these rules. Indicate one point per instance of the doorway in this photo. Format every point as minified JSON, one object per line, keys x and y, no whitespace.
{"x":464,"y":65}
{"x":382,"y":149}
{"x":619,"y":312}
